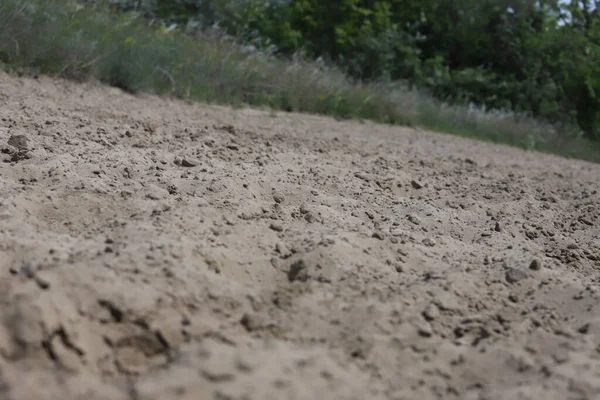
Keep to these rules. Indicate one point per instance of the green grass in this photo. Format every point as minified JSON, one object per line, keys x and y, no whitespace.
{"x":63,"y":39}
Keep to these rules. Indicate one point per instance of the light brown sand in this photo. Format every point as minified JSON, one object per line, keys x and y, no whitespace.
{"x":152,"y":249}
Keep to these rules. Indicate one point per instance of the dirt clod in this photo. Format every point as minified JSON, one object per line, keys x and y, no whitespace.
{"x":20,"y":142}
{"x":514,"y":275}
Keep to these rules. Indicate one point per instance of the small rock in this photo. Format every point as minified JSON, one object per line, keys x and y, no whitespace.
{"x":126,"y":193}
{"x":535,"y":265}
{"x":424,"y":329}
{"x":396,"y":232}
{"x":310,"y":218}
{"x":8,"y":149}
{"x":276,"y":226}
{"x":429,"y":242}
{"x":278,"y":198}
{"x":21,"y":155}
{"x":283,"y":250}
{"x":416,"y":184}
{"x":584,"y":329}
{"x":379,"y":235}
{"x":21,"y":142}
{"x":155,"y":193}
{"x":275,"y":262}
{"x":447,"y":301}
{"x":431,"y":312}
{"x":189,"y":162}
{"x":41,"y":282}
{"x":212,"y":264}
{"x":586,"y":221}
{"x":414,"y":219}
{"x":515,"y":275}
{"x":298,"y":271}
{"x":168,"y":325}
{"x":497,"y":227}
{"x":253,"y":322}
{"x":130,"y":360}
{"x":362,"y":176}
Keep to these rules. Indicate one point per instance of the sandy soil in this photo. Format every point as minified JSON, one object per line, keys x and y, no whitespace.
{"x":154,"y":250}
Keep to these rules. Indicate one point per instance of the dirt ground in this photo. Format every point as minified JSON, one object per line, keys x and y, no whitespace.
{"x":154,"y":250}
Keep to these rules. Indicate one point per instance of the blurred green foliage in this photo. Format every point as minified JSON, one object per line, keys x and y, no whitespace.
{"x":540,"y":57}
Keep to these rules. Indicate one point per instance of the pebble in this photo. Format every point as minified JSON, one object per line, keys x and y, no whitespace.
{"x":584,"y":329}
{"x":416,"y":184}
{"x":431,"y":312}
{"x":362,"y":176}
{"x":586,"y":221}
{"x":155,"y":193}
{"x":189,"y":162}
{"x":535,"y":265}
{"x":379,"y":235}
{"x":8,"y":149}
{"x":310,"y":218}
{"x":276,"y":226}
{"x":429,"y":242}
{"x":515,"y":275}
{"x":414,"y":219}
{"x":447,"y":301}
{"x":252,"y":322}
{"x":424,"y":329}
{"x":396,"y":232}
{"x":21,"y":142}
{"x":41,"y":282}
